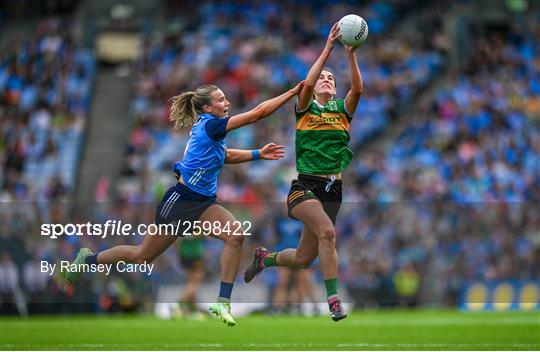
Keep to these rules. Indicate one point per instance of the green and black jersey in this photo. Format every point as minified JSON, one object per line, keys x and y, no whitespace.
{"x":322,"y":138}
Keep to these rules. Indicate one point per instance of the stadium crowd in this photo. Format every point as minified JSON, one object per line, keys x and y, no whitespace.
{"x":454,"y":197}
{"x":45,"y":93}
{"x":255,"y":62}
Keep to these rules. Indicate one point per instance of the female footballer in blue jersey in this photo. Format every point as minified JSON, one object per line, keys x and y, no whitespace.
{"x":194,"y":196}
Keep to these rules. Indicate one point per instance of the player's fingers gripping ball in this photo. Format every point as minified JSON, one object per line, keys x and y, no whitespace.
{"x":353,"y":30}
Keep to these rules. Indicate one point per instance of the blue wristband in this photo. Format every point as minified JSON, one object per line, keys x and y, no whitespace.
{"x":255,"y":154}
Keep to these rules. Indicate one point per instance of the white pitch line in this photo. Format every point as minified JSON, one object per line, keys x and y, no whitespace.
{"x":434,"y":344}
{"x":282,"y":345}
{"x":443,"y":322}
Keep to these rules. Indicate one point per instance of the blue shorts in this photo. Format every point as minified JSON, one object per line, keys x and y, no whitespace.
{"x":180,"y":206}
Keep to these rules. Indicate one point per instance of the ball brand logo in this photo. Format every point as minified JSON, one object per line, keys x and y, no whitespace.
{"x":362,"y":31}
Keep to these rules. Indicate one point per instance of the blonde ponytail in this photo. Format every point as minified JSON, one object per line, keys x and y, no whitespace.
{"x":186,"y":107}
{"x":182,"y":110}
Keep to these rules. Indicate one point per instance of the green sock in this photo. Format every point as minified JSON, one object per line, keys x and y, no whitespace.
{"x":271,"y":260}
{"x":331,"y":287}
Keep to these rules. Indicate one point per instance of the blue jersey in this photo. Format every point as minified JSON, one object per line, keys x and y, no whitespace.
{"x":205,"y":154}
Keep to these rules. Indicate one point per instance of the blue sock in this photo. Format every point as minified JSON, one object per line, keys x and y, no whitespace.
{"x":91,"y":259}
{"x":225,"y":291}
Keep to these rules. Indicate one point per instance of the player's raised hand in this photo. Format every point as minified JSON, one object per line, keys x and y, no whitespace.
{"x":333,"y":35}
{"x":296,"y":89}
{"x":272,"y":151}
{"x":350,"y":49}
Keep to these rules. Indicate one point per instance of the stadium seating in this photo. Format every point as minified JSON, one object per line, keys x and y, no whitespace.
{"x":457,"y":192}
{"x":255,"y":64}
{"x":45,"y":90}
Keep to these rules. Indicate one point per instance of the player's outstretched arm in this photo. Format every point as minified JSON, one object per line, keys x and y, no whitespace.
{"x":353,"y":96}
{"x":306,"y":94}
{"x":262,"y":110}
{"x":270,"y":151}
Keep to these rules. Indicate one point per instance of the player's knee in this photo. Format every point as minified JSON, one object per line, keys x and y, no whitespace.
{"x":235,"y":240}
{"x":303,"y":262}
{"x":141,"y":257}
{"x":328,"y":235}
{"x":145,"y":259}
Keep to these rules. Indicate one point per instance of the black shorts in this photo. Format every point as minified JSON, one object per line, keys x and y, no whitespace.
{"x":180,"y":206}
{"x":191,"y":263}
{"x":325,"y":190}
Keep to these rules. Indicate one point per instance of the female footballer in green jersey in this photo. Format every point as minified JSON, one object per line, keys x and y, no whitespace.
{"x":191,"y":254}
{"x":322,"y":153}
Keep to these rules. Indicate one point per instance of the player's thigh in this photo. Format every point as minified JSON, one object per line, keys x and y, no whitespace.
{"x":223,"y":223}
{"x":312,"y":214}
{"x":154,"y":245}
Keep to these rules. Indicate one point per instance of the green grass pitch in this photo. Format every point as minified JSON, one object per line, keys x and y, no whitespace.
{"x":362,"y":330}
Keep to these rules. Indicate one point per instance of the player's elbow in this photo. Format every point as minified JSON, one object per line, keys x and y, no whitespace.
{"x":308,"y":86}
{"x":356,"y":91}
{"x":258,"y":113}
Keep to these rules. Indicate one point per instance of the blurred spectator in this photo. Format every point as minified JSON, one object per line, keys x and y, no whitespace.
{"x":35,"y":285}
{"x":407,"y":283}
{"x":10,"y":289}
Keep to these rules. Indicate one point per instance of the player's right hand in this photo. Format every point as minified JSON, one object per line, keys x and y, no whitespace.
{"x":296,"y":90}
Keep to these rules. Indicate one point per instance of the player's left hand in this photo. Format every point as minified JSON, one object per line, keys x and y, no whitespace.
{"x":296,"y":90}
{"x":272,"y":151}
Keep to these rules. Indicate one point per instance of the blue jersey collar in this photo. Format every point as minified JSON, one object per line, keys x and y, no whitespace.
{"x":207,"y":116}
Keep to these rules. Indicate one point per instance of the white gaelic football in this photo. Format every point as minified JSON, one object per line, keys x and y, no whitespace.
{"x":353,"y":30}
